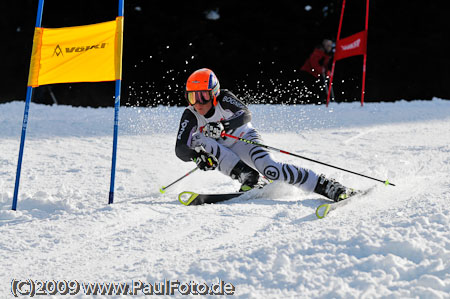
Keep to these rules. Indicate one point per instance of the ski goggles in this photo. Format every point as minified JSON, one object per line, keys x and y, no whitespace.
{"x":200,"y":96}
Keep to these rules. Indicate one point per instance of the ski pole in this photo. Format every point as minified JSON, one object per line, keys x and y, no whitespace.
{"x":164,"y":188}
{"x":386,"y":182}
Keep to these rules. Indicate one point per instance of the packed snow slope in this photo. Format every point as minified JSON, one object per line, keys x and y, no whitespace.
{"x":394,"y":242}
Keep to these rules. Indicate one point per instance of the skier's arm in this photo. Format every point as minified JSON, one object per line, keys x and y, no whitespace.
{"x":241,"y":116}
{"x":188,"y":125}
{"x":315,"y":59}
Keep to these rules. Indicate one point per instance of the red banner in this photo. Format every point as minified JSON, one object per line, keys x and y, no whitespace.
{"x":353,"y":45}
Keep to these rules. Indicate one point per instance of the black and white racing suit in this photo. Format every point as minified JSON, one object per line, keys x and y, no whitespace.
{"x":236,"y":118}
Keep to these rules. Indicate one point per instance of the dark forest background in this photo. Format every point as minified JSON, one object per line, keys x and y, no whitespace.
{"x":255,"y":48}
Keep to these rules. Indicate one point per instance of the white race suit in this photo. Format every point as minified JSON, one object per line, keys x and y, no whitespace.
{"x":236,"y":117}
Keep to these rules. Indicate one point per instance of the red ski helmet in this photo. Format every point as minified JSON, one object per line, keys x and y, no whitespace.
{"x":202,"y":86}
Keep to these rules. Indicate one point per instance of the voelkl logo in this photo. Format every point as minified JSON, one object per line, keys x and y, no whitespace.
{"x":58,"y":51}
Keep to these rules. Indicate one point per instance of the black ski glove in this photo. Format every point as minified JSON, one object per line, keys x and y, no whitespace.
{"x":213,"y":130}
{"x":205,"y":161}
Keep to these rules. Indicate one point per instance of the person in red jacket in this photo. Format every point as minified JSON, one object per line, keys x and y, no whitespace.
{"x":314,"y":71}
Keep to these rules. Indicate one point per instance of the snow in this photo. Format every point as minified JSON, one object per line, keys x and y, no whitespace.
{"x":394,"y":242}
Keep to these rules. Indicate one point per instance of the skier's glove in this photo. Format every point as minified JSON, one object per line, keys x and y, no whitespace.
{"x":213,"y":130}
{"x":205,"y":161}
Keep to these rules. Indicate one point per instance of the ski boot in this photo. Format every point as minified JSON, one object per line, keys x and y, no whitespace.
{"x":247,"y":176}
{"x":332,"y":189}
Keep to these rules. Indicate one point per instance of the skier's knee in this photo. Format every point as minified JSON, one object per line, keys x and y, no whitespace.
{"x":270,"y":171}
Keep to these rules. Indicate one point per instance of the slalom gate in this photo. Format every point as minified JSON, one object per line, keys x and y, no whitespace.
{"x":352,"y":45}
{"x":89,"y":53}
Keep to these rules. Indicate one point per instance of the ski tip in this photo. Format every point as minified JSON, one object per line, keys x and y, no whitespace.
{"x":187,"y":197}
{"x":325,"y":208}
{"x":162,"y":190}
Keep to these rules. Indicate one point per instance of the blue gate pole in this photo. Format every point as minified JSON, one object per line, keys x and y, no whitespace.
{"x":116,"y":130}
{"x":25,"y":119}
{"x":116,"y":127}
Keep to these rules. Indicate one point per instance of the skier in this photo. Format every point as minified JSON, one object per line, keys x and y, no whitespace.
{"x":211,"y":111}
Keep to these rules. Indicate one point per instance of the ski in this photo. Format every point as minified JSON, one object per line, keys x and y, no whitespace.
{"x":323,"y":210}
{"x":189,"y":198}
